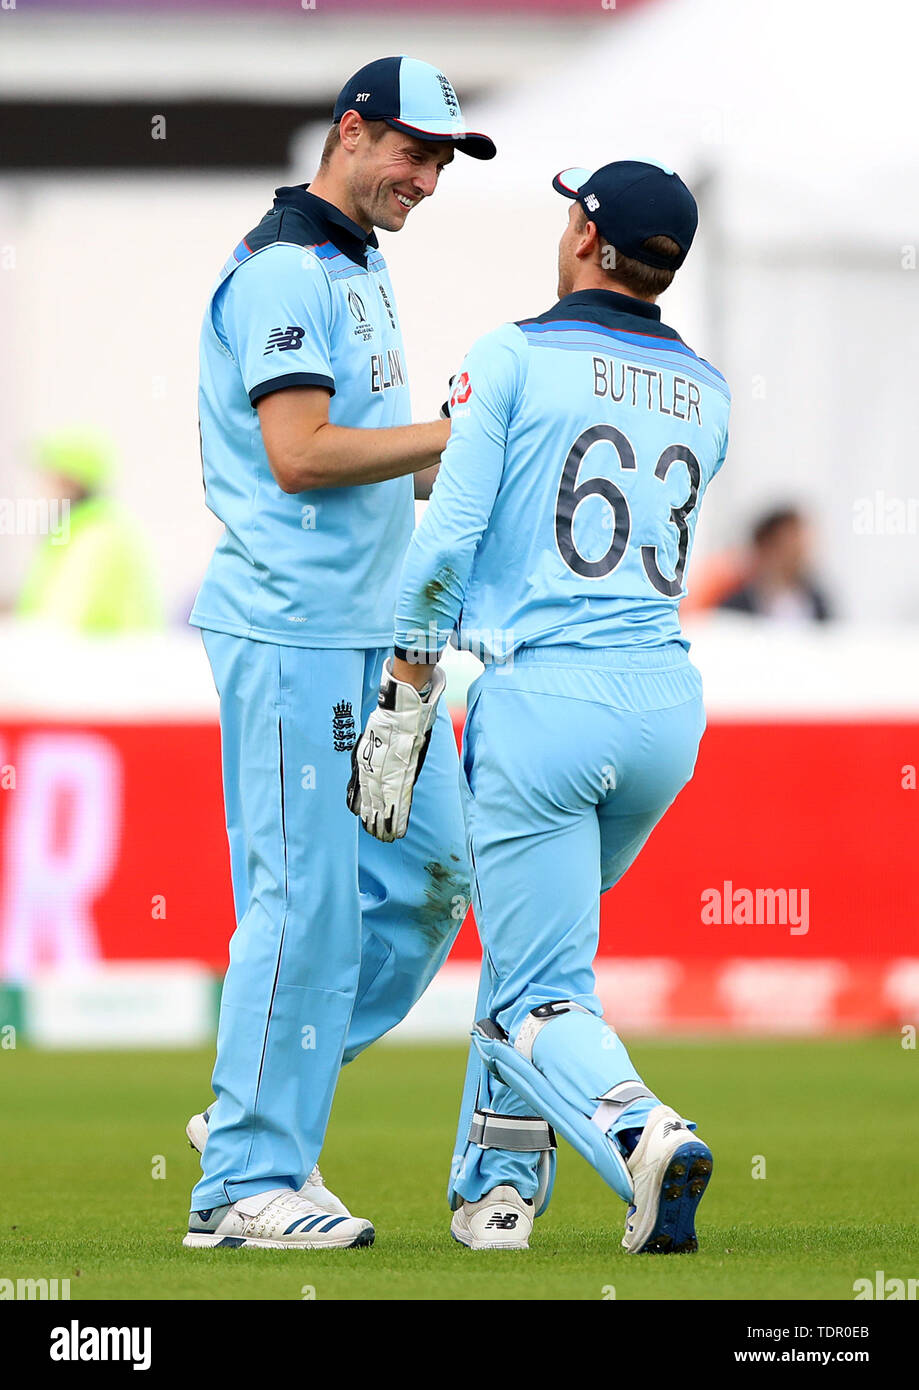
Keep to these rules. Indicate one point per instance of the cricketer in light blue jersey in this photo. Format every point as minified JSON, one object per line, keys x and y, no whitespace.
{"x":572,"y":524}
{"x":308,"y":453}
{"x":555,"y":547}
{"x":286,"y":313}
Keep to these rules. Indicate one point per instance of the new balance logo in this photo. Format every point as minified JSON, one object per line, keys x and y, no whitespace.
{"x":284,"y":339}
{"x":505,"y":1221}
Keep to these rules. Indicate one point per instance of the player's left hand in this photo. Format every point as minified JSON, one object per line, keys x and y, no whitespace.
{"x":388,"y":756}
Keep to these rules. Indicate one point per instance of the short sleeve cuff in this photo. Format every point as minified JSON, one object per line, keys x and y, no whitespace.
{"x":280,"y":383}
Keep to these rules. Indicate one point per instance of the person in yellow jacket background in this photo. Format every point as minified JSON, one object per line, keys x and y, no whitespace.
{"x":94,"y":576}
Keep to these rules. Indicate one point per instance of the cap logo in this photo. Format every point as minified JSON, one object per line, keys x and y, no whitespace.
{"x":448,"y":95}
{"x":591,"y":202}
{"x":362,"y":96}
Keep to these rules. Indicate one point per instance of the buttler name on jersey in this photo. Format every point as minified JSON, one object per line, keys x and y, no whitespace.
{"x":664,"y":392}
{"x":386,"y":370}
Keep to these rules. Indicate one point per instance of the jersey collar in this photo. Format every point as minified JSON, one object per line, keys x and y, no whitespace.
{"x":346,"y":236}
{"x":612,"y":302}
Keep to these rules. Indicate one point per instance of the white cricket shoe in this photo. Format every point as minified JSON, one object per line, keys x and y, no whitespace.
{"x":314,"y":1189}
{"x":276,"y":1220}
{"x":501,"y":1220}
{"x":670,"y":1169}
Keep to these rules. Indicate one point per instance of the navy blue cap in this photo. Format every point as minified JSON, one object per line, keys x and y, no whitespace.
{"x":412,"y":96}
{"x":632,"y":200}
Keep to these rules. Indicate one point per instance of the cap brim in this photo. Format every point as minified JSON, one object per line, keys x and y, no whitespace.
{"x":468,"y":142}
{"x":570,"y":181}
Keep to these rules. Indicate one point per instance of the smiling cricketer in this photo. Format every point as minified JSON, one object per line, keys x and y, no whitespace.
{"x":308,"y":453}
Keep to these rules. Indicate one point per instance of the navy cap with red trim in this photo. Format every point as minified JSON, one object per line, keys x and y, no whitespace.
{"x":412,"y":96}
{"x":632,"y":200}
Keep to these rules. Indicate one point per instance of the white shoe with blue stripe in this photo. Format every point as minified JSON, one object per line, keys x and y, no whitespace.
{"x":314,"y":1189}
{"x":275,"y":1220}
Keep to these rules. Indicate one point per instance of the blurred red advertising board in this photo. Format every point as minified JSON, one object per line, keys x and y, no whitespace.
{"x":782,"y":882}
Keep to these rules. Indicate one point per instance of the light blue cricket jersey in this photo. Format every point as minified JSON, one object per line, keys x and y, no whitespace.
{"x":304,"y":300}
{"x":567,"y":499}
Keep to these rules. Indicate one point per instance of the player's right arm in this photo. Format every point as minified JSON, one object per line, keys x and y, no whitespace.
{"x":306,"y":451}
{"x":440,"y":554}
{"x":274,"y":317}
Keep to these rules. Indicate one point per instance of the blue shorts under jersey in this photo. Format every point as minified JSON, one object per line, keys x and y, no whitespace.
{"x":304,"y":300}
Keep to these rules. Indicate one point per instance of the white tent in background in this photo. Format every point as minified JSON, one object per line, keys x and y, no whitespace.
{"x":795,"y":124}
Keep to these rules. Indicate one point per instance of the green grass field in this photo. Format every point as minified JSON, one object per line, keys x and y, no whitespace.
{"x":836,"y":1122}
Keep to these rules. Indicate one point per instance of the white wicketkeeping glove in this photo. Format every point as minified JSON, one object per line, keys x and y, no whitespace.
{"x":389,"y":754}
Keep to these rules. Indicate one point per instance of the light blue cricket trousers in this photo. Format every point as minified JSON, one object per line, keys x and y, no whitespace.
{"x":337,"y":934}
{"x":570,"y":758}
